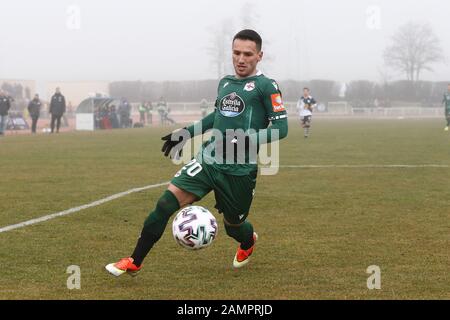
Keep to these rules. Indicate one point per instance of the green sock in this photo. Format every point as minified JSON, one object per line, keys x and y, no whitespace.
{"x":154,"y":225}
{"x":242,"y":234}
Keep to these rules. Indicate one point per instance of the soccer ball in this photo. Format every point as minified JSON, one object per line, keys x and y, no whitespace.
{"x":194,"y":228}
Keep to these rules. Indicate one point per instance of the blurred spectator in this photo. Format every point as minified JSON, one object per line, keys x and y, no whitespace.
{"x":34,"y":109}
{"x":113,"y":117}
{"x":166,"y":116}
{"x":5,"y":105}
{"x":70,"y":109}
{"x":204,"y":107}
{"x":142,"y":111}
{"x":57,"y":110}
{"x":124,"y":113}
{"x":149,"y":112}
{"x":162,"y":110}
{"x":104,"y":118}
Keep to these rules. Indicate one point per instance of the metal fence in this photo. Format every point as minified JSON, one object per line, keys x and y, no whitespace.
{"x":191,"y":110}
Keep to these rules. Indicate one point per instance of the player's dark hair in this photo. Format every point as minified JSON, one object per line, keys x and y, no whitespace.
{"x":306,"y":88}
{"x":251,"y":35}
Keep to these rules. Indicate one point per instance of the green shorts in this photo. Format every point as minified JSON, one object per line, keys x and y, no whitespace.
{"x":233,"y":194}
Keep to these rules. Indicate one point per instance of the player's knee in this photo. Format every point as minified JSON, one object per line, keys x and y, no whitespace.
{"x":165,"y":207}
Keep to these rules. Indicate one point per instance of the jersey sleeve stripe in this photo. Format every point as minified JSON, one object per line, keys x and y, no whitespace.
{"x":283,"y":116}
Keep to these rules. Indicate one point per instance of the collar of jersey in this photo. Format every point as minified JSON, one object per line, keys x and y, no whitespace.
{"x":233,"y":77}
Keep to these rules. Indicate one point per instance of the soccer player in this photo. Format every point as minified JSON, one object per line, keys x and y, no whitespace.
{"x":446,"y":103}
{"x":248,"y":101}
{"x":305,"y":107}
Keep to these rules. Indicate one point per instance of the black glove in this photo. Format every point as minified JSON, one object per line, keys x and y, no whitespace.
{"x":173,"y":146}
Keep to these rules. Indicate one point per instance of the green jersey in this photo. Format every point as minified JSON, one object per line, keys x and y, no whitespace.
{"x":446,"y":102}
{"x":249,"y":104}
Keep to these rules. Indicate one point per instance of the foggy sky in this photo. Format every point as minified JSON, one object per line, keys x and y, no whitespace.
{"x":167,"y":40}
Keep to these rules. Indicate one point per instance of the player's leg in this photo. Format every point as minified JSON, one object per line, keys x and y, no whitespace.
{"x":448,"y":123}
{"x":234,"y":195}
{"x":188,"y":185}
{"x":304,"y":126}
{"x":171,"y":200}
{"x":2,"y":124}
{"x":307,"y":127}
{"x":33,"y":124}
{"x":52,"y":123}
{"x":245,"y":235}
{"x":302,"y":122}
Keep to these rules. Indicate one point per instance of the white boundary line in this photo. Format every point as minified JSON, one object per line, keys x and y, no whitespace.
{"x":125,"y":193}
{"x":76,"y":209}
{"x":367,"y":166}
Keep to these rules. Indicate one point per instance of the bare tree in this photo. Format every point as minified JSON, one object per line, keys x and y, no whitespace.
{"x":222,"y":36}
{"x":414,"y":48}
{"x":249,"y":18}
{"x":220,"y":48}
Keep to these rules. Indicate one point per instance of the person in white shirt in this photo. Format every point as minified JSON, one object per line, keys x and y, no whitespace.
{"x":305,"y":107}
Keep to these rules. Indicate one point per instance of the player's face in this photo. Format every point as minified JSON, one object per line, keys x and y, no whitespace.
{"x":305,"y":93}
{"x":245,"y":57}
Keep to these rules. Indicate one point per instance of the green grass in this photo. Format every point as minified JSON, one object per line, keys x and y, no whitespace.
{"x":319,"y":228}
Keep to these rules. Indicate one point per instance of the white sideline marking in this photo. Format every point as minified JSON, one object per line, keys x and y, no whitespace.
{"x":76,"y":209}
{"x":125,"y":193}
{"x":368,"y":166}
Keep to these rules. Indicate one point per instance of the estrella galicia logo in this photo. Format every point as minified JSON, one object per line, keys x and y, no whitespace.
{"x":231,"y":105}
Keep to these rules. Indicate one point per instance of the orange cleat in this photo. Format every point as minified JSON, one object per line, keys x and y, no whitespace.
{"x":124,"y":265}
{"x":242,"y":257}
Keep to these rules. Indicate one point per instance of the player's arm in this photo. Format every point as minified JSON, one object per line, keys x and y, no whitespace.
{"x":276,"y":114}
{"x":313,"y":103}
{"x":203,"y":125}
{"x":276,"y":131}
{"x":174,"y":141}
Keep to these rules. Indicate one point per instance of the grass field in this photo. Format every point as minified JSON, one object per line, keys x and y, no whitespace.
{"x":320,"y":228}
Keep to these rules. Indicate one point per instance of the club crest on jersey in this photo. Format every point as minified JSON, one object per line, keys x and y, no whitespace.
{"x":277,"y":102}
{"x":231,"y":105}
{"x":249,"y":86}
